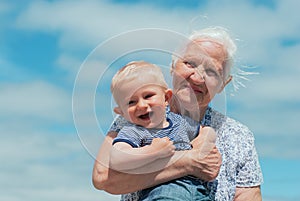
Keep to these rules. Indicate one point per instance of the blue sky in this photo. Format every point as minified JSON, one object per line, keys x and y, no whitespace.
{"x":44,"y":44}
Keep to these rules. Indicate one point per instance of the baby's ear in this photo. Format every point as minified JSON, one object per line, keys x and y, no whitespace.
{"x":118,"y":110}
{"x":168,"y":95}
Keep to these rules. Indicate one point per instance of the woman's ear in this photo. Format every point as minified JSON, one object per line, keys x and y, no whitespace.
{"x":118,"y":110}
{"x":225,"y":83}
{"x":228,"y":80}
{"x":172,"y":67}
{"x":168,"y":96}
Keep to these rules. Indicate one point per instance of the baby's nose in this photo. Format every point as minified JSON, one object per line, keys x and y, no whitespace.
{"x":142,"y":104}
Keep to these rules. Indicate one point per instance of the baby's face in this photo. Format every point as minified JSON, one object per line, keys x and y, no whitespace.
{"x":144,"y":106}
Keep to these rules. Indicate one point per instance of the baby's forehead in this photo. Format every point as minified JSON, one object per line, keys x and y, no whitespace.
{"x":142,"y":76}
{"x":148,"y":87}
{"x":131,"y":91}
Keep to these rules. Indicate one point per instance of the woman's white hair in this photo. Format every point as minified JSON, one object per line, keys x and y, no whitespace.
{"x":221,"y":36}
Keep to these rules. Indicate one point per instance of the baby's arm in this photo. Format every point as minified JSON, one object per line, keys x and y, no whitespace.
{"x":123,"y":157}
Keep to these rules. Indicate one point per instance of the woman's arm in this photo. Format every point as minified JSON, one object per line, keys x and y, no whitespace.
{"x":249,"y":174}
{"x":116,"y":182}
{"x":248,"y":194}
{"x":180,"y":164}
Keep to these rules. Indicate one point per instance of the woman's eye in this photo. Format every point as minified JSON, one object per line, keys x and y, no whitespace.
{"x":211,"y":72}
{"x":190,"y":64}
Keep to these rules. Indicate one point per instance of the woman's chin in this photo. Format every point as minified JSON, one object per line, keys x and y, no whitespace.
{"x":186,"y":99}
{"x":187,"y":104}
{"x":191,"y":107}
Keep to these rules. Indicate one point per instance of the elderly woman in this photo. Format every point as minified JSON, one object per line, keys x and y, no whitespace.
{"x":200,"y":70}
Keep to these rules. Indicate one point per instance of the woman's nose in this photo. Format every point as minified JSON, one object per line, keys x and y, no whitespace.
{"x":197,"y":76}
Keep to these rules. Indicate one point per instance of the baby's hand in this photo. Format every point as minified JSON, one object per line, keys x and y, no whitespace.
{"x":163,"y":147}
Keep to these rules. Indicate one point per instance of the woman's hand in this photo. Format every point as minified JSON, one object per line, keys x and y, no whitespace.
{"x":206,"y":168}
{"x":205,"y":158}
{"x":205,"y":141}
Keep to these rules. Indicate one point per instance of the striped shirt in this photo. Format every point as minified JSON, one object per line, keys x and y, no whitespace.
{"x":181,"y":131}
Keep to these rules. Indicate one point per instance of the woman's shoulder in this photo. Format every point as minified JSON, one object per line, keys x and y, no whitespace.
{"x":181,"y":119}
{"x":118,"y":123}
{"x":233,"y":135}
{"x":228,"y":125}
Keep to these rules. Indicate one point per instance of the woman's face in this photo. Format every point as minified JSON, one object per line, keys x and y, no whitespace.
{"x":198,"y":74}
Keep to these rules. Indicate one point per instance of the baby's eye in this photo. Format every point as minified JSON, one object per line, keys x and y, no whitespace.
{"x":149,"y":96}
{"x":131,"y":102}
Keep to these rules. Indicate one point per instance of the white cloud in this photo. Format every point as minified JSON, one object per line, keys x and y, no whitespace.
{"x":5,"y":7}
{"x":95,"y":21}
{"x":41,"y":153}
{"x":82,"y":23}
{"x":42,"y":165}
{"x":9,"y":71}
{"x":35,"y":99}
{"x":269,"y":106}
{"x":91,"y":22}
{"x":70,"y":64}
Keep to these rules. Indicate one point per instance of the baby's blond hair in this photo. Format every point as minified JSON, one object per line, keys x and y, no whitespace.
{"x":132,"y":71}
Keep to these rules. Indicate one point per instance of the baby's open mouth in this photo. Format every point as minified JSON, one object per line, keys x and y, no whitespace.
{"x":146,"y":116}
